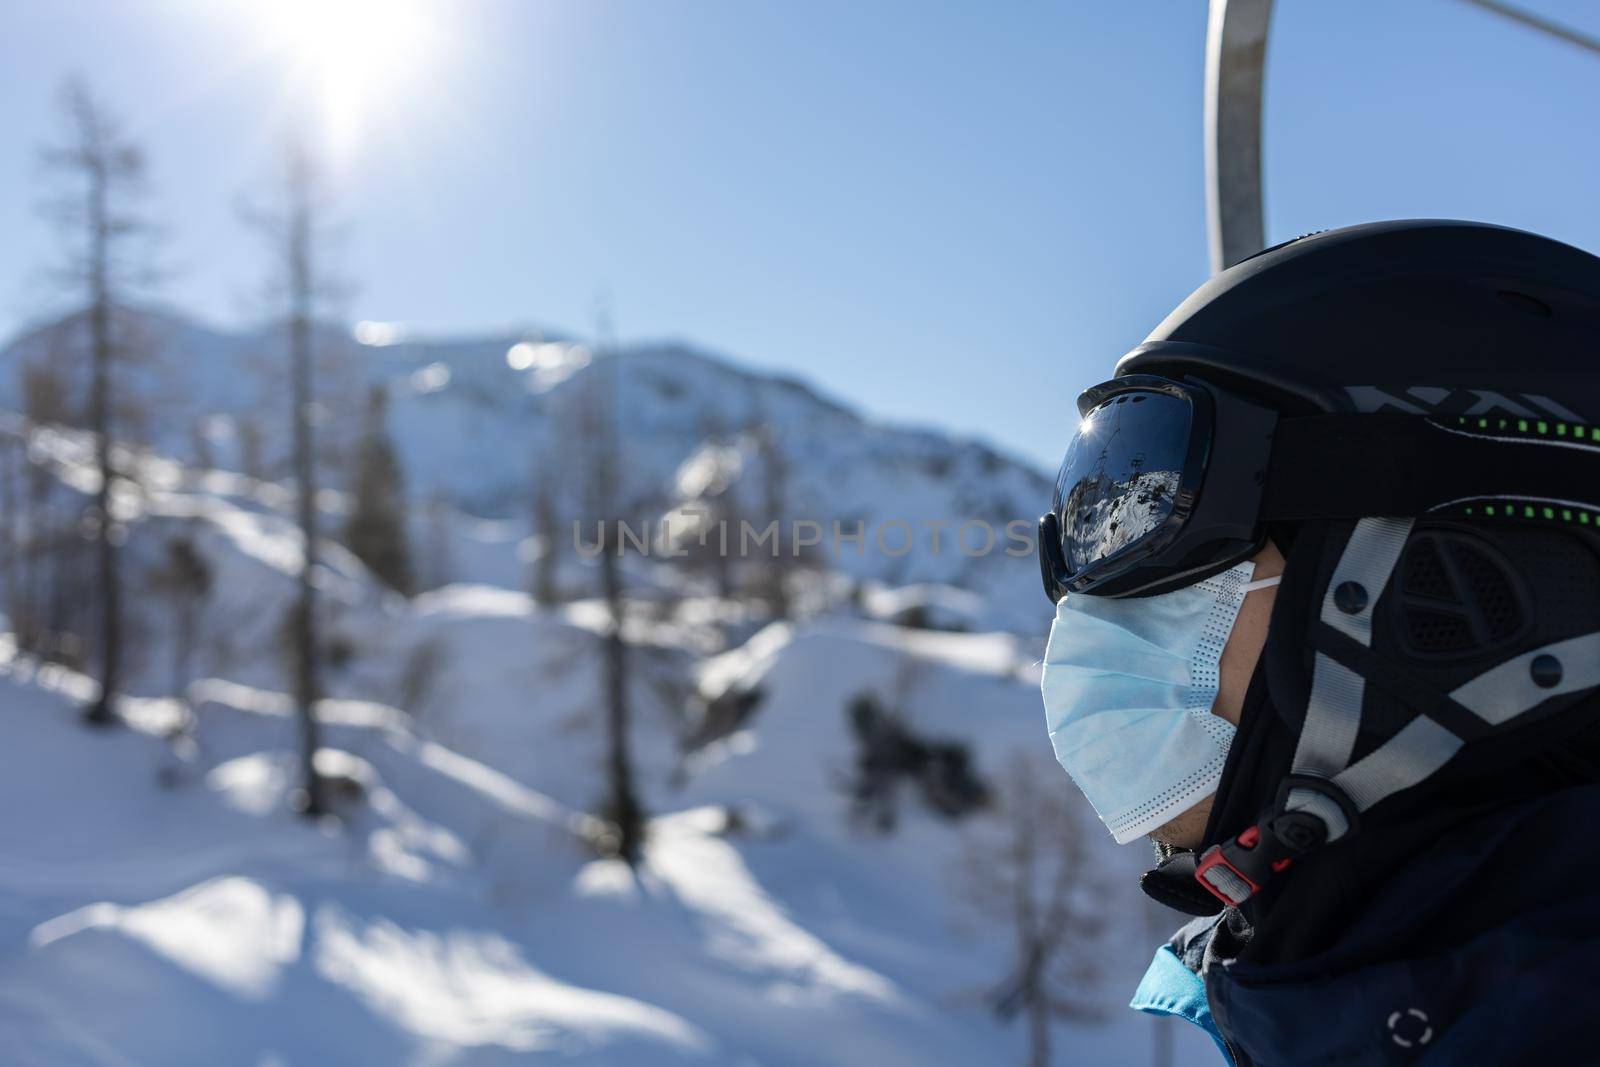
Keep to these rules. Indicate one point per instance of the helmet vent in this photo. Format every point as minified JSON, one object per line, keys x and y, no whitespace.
{"x":1458,"y":597}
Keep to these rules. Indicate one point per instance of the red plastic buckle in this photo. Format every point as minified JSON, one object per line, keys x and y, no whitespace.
{"x":1235,"y":870}
{"x":1222,"y":878}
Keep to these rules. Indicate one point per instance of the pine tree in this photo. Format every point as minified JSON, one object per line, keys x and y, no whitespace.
{"x":376,"y":528}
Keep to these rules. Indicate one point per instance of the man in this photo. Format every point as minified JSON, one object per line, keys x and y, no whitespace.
{"x":1326,"y":560}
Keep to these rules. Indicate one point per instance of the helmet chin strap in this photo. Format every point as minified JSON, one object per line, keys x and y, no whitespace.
{"x":1325,"y":794}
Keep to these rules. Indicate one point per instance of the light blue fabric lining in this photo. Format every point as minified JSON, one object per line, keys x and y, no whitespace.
{"x":1170,"y":988}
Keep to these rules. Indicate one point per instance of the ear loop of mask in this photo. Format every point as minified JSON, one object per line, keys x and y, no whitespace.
{"x":1250,"y":587}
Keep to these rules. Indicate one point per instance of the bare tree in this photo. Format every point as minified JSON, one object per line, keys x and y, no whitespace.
{"x":297,"y":233}
{"x":726,"y":516}
{"x":775,"y":502}
{"x":602,"y":474}
{"x":41,"y":537}
{"x":46,"y":397}
{"x":251,"y":461}
{"x":623,"y":809}
{"x":13,"y":454}
{"x":183,"y":579}
{"x":375,"y":529}
{"x":1033,"y":877}
{"x":99,"y":223}
{"x":547,"y":537}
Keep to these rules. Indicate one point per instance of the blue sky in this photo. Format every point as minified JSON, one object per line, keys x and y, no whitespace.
{"x":954,"y":214}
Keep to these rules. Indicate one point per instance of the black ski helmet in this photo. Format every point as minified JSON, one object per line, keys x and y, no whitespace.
{"x":1415,"y":369}
{"x":1410,"y":316}
{"x":1411,"y":650}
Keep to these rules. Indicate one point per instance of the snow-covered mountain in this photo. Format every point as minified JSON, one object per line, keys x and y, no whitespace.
{"x":477,"y":427}
{"x":479,"y":422}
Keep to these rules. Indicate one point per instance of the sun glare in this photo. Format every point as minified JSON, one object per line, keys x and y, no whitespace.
{"x":346,"y":57}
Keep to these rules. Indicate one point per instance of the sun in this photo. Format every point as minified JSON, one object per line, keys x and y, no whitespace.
{"x":346,"y":58}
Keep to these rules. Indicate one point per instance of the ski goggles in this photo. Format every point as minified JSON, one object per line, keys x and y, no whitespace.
{"x":1167,"y":482}
{"x":1150,"y":497}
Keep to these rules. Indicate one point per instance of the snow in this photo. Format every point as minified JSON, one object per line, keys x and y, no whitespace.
{"x":925,"y":605}
{"x":454,"y":919}
{"x":232,"y":932}
{"x":161,"y":904}
{"x":744,"y":927}
{"x":473,"y":990}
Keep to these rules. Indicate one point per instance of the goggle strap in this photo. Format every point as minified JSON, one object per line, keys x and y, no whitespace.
{"x":1350,"y":466}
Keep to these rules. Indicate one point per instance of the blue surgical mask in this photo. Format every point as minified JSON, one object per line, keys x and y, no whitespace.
{"x":1128,"y":687}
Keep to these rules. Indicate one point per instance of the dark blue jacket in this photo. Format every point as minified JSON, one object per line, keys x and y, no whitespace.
{"x":1483,"y":949}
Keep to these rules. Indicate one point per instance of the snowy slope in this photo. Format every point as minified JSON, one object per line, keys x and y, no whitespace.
{"x":203,"y":924}
{"x":455,"y":920}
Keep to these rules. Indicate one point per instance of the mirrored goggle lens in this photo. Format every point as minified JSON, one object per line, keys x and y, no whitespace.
{"x":1121,"y":475}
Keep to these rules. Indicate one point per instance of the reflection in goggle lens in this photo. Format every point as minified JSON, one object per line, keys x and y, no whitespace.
{"x":1120,"y":475}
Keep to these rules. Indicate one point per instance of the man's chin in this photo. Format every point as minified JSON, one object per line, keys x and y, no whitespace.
{"x":1185,"y":830}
